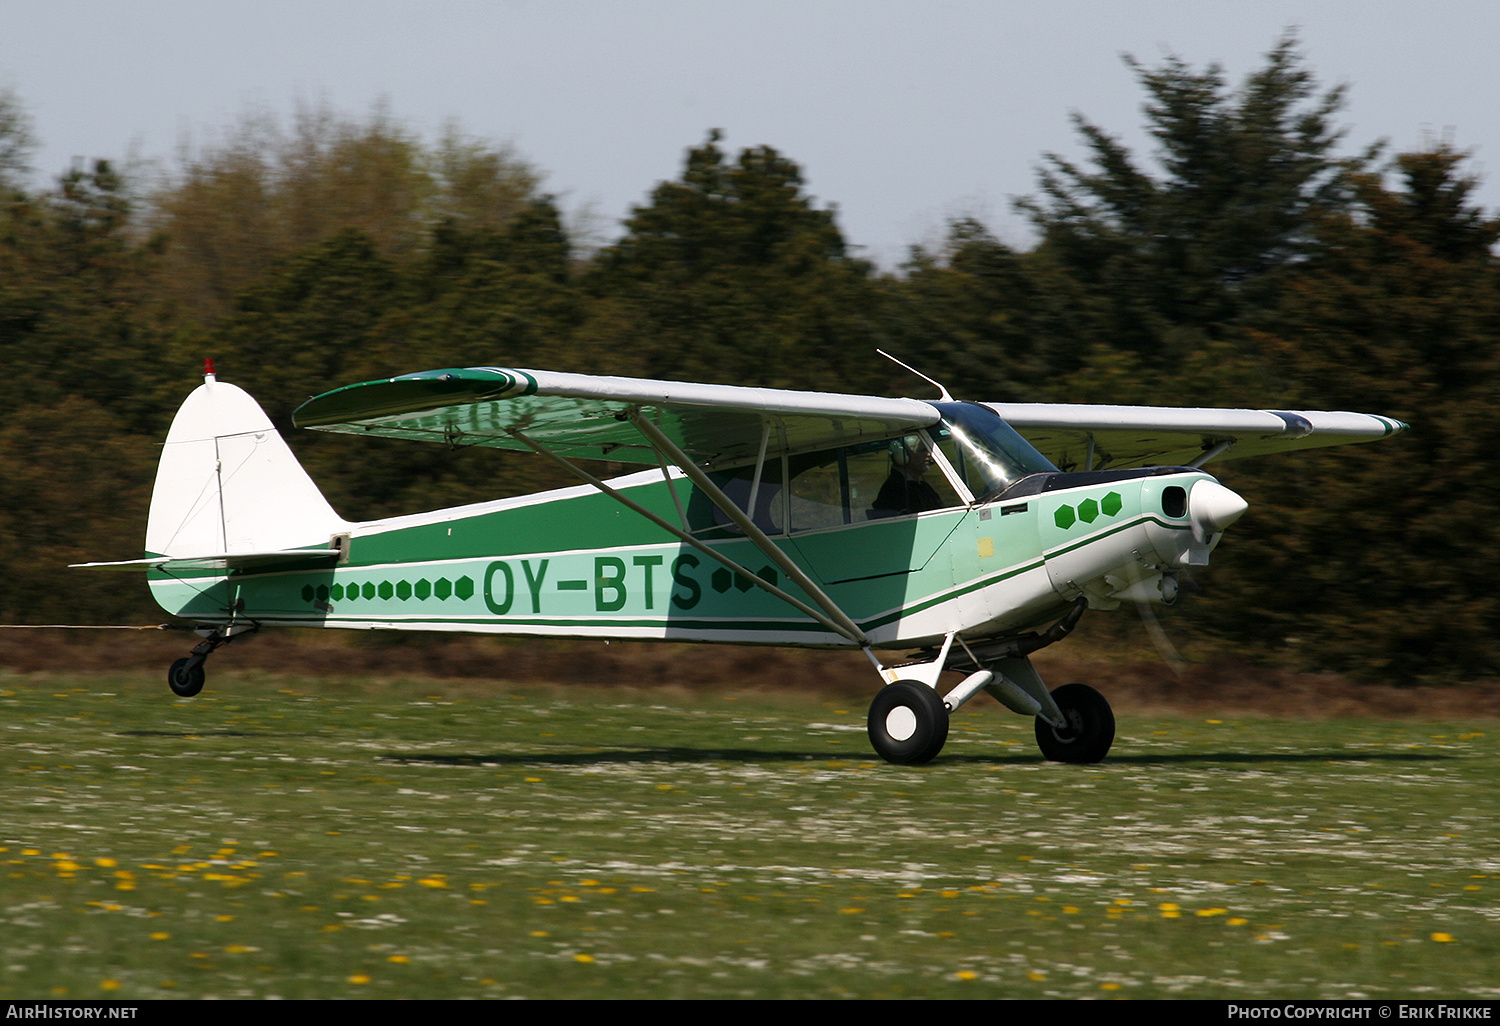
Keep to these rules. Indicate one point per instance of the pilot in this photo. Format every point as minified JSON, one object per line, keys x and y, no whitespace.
{"x":904,"y":490}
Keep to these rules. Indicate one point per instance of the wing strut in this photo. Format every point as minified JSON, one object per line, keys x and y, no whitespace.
{"x":847,"y":627}
{"x":841,"y":625}
{"x":1212,"y":453}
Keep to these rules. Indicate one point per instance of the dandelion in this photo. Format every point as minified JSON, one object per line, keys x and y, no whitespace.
{"x":966,"y":974}
{"x":1443,"y":938}
{"x":581,"y":957}
{"x":359,"y":978}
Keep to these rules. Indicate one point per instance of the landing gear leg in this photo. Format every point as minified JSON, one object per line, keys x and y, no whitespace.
{"x":186,"y":675}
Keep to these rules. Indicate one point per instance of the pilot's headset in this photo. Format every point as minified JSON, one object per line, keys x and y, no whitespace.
{"x":903,"y":449}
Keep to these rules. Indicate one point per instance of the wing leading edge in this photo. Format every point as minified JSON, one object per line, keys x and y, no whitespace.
{"x":585,"y":416}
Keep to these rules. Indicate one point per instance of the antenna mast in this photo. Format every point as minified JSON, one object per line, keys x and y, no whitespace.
{"x":944,"y":397}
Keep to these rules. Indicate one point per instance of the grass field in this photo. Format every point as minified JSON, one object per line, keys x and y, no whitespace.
{"x":367,"y":839}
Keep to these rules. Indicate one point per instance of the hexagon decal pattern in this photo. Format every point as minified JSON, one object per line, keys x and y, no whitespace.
{"x":423,"y":589}
{"x":1089,"y":510}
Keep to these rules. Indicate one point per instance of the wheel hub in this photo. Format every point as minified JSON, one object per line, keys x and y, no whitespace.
{"x":900,"y":723}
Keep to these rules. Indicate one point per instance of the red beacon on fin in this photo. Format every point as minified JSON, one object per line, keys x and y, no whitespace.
{"x":208,"y":370}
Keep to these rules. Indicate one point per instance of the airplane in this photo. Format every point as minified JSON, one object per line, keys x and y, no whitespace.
{"x":964,"y":535}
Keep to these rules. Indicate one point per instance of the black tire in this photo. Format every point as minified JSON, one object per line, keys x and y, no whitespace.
{"x":1090,"y":730}
{"x":186,"y":677}
{"x":908,"y":723}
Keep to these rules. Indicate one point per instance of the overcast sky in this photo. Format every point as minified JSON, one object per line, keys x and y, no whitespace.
{"x":903,"y":114}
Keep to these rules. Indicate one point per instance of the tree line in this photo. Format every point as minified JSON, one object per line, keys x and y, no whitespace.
{"x":1249,"y":261}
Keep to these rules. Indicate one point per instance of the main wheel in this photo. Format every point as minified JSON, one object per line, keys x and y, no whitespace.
{"x":1090,"y":730}
{"x":186,"y":677}
{"x":908,"y":723}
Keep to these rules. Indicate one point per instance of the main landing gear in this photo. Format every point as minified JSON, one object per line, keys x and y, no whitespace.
{"x":186,"y":676}
{"x":908,"y":721}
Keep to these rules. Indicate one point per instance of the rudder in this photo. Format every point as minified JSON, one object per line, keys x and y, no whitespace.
{"x":227,"y":482}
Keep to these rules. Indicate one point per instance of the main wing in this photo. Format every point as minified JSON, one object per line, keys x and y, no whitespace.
{"x":1095,"y":437}
{"x":584,"y":416}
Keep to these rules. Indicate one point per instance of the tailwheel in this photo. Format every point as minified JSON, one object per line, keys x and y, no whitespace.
{"x":908,"y":723}
{"x":186,"y":676}
{"x":1090,"y":730}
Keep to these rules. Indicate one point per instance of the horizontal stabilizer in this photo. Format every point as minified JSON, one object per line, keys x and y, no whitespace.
{"x":291,"y":559}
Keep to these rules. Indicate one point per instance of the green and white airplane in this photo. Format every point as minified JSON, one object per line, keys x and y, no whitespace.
{"x":762,"y":516}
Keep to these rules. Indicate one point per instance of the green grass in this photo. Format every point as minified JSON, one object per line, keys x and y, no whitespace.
{"x":417,"y":839}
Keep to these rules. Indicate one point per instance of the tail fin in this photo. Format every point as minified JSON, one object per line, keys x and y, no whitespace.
{"x":228,"y":483}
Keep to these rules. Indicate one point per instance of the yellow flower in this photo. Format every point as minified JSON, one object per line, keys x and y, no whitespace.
{"x":359,"y":978}
{"x":1443,"y":938}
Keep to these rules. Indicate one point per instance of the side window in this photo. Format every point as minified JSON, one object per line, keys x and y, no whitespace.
{"x":738,"y":485}
{"x":872,"y":481}
{"x":819,"y":492}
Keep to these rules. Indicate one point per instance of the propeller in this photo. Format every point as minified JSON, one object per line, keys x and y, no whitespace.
{"x":1211,"y":508}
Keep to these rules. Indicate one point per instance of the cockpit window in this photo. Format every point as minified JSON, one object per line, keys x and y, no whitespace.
{"x":987,"y":452}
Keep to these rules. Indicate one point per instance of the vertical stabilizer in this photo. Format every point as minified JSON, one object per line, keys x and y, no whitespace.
{"x":227,"y":482}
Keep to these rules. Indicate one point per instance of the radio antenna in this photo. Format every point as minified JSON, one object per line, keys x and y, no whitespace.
{"x":944,"y":397}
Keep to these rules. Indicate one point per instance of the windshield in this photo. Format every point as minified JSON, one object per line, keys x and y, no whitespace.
{"x":987,"y":452}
